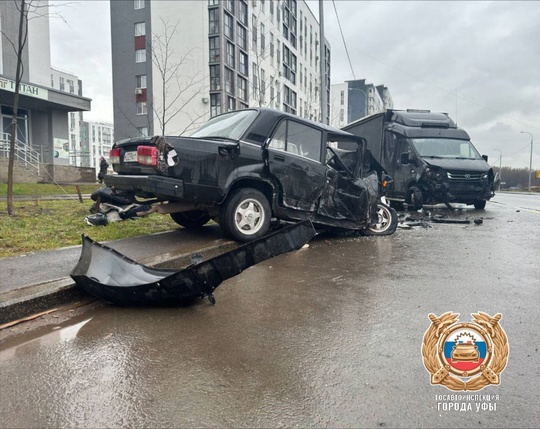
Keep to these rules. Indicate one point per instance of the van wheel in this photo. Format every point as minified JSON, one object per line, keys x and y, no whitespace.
{"x":415,"y":199}
{"x":387,"y":220}
{"x":480,"y":204}
{"x":191,"y":219}
{"x":245,"y":215}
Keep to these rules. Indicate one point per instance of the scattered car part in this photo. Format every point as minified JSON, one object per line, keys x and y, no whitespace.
{"x":105,"y":273}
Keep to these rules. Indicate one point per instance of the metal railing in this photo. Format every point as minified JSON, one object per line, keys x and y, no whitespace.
{"x":24,"y":154}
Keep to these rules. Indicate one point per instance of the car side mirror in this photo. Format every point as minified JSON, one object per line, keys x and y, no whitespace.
{"x":404,"y":158}
{"x":485,"y":157}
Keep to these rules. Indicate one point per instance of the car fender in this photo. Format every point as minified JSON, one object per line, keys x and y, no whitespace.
{"x":251,"y":176}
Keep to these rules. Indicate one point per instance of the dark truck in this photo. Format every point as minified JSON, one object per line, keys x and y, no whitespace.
{"x":245,"y":167}
{"x":429,"y":158}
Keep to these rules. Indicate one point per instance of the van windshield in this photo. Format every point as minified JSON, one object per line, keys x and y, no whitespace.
{"x":445,"y":148}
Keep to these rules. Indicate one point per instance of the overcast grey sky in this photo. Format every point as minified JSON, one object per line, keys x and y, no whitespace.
{"x":477,"y":60}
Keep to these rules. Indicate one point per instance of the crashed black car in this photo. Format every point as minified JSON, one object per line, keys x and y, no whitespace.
{"x":245,"y":167}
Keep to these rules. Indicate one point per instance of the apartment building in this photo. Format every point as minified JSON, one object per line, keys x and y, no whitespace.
{"x":355,"y":99}
{"x":97,"y":139}
{"x":176,"y":64}
{"x":42,"y":115}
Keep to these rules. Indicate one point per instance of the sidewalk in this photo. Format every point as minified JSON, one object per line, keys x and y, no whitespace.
{"x":40,"y":281}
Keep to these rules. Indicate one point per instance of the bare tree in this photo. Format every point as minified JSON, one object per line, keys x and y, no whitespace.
{"x":27,"y":9}
{"x":18,"y":47}
{"x":176,"y":91}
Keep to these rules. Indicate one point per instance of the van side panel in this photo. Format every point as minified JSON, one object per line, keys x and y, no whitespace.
{"x":372,"y":129}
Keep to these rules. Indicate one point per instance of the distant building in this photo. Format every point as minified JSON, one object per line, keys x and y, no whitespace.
{"x":355,"y":99}
{"x":99,"y":138}
{"x":43,"y":132}
{"x":222,"y":55}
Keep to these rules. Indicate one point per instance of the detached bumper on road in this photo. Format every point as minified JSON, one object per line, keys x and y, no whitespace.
{"x":156,"y":185}
{"x":105,"y":273}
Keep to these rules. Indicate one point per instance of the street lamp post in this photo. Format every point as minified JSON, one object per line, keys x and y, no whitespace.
{"x":530,"y":161}
{"x":500,"y":168}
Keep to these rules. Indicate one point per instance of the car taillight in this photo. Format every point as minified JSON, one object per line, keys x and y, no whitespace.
{"x":114,"y":156}
{"x":147,"y":155}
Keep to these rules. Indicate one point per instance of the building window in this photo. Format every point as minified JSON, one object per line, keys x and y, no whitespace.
{"x":230,"y":55}
{"x":71,"y":86}
{"x":140,"y":81}
{"x":254,"y":31}
{"x":215,"y":78}
{"x":263,"y":38}
{"x":342,"y":98}
{"x":242,"y":63}
{"x":243,"y":13}
{"x":142,"y":132}
{"x":289,"y":64}
{"x":289,"y":100}
{"x":140,"y":55}
{"x":229,"y":5}
{"x":213,"y":21}
{"x":242,"y":88}
{"x":141,"y":108}
{"x":62,"y":84}
{"x":263,"y":85}
{"x":214,"y":49}
{"x":229,"y":81}
{"x":140,"y":29}
{"x":229,"y":26}
{"x":241,"y":33}
{"x":138,"y":4}
{"x":215,"y":104}
{"x":255,"y":77}
{"x":231,"y":103}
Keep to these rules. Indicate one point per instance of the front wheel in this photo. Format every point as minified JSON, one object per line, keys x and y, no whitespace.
{"x":415,"y":199}
{"x":191,"y":219}
{"x":387,"y":220}
{"x":245,"y":215}
{"x":480,"y":204}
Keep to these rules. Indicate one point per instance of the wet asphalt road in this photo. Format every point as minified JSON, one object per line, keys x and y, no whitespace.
{"x":328,"y":336}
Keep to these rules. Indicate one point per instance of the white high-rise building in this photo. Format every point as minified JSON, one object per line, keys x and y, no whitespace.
{"x":355,"y":99}
{"x":178,"y":63}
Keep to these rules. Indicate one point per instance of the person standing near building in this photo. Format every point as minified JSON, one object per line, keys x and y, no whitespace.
{"x":103,"y":165}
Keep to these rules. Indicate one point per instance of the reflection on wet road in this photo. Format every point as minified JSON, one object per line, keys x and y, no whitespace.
{"x":328,"y":336}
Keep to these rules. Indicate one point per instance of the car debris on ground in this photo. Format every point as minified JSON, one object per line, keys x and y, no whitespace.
{"x":107,"y":274}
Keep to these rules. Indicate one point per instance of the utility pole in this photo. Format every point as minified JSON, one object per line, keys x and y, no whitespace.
{"x":530,"y":160}
{"x":322,"y":64}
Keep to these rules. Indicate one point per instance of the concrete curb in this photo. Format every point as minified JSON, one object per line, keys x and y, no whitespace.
{"x":37,"y":298}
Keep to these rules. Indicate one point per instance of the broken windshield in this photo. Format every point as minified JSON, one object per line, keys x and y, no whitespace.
{"x":445,"y":148}
{"x":229,"y":126}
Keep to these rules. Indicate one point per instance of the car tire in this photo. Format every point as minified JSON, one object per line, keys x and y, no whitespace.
{"x":480,"y":204}
{"x":245,"y":215}
{"x":415,"y":199}
{"x":191,"y":219}
{"x":386,"y":223}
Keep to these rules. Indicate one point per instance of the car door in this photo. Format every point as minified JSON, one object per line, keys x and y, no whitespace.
{"x":294,"y":158}
{"x":347,"y":196}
